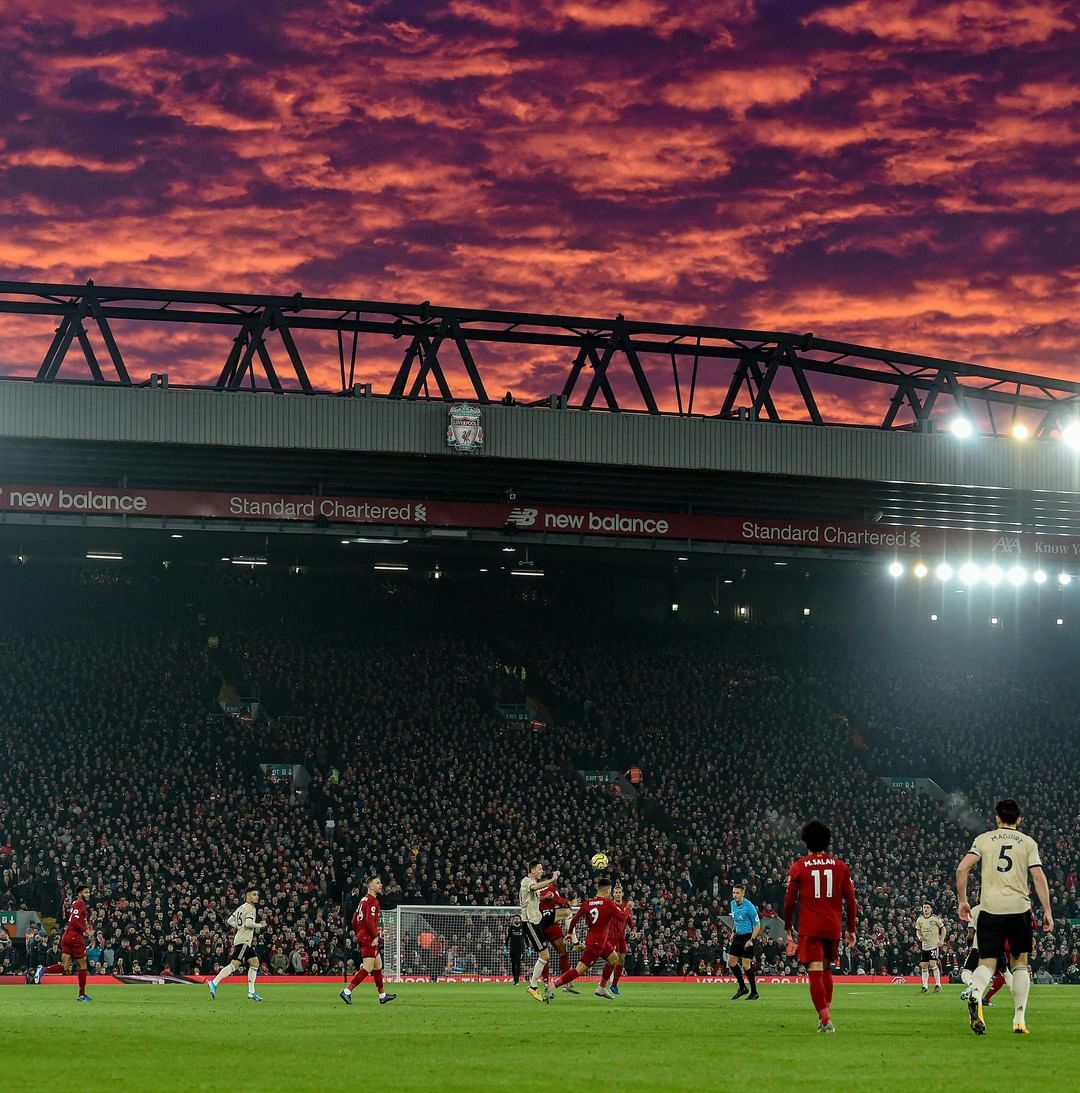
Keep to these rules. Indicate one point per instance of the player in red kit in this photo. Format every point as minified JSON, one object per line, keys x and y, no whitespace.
{"x":600,"y":913}
{"x":821,"y":884}
{"x":554,"y":911}
{"x":73,"y":943}
{"x":365,"y":924}
{"x":618,"y":943}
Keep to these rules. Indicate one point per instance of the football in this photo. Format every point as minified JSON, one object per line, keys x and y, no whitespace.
{"x":600,"y":861}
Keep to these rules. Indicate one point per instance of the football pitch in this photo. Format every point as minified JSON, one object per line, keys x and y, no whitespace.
{"x":478,"y":1037}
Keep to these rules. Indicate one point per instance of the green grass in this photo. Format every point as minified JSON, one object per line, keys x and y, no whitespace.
{"x":477,"y":1037}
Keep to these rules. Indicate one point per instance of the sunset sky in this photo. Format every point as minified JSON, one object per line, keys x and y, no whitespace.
{"x":891,"y":172}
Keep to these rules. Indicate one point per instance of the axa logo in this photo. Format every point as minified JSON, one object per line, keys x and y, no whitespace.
{"x":1007,"y":544}
{"x":522,"y":518}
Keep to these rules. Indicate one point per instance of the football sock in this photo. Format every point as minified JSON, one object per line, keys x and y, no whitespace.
{"x":605,"y":975}
{"x":547,"y":971}
{"x":937,"y":977}
{"x":357,"y":979}
{"x":222,"y":975}
{"x":925,"y":978}
{"x":1008,"y":978}
{"x":965,"y":977}
{"x":752,"y":976}
{"x":817,"y":996}
{"x":617,"y":975}
{"x":252,"y":972}
{"x":995,"y":985}
{"x":82,"y":981}
{"x":55,"y":969}
{"x":538,"y":970}
{"x":826,"y":978}
{"x":566,"y":977}
{"x":1021,"y":984}
{"x":377,"y":976}
{"x":979,"y":980}
{"x":739,"y":976}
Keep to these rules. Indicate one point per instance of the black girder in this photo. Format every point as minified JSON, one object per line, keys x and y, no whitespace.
{"x":748,"y":363}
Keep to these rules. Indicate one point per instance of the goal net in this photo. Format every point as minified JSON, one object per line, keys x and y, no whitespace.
{"x":463,"y":943}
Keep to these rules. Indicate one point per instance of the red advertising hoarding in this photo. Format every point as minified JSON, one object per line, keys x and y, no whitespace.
{"x":356,"y":512}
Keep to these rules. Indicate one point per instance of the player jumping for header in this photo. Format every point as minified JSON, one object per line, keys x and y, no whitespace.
{"x":821,"y":884}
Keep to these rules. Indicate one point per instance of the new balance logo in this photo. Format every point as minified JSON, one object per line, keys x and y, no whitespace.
{"x":522,"y":518}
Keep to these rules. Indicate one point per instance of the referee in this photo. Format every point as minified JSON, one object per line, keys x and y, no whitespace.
{"x":745,"y":927}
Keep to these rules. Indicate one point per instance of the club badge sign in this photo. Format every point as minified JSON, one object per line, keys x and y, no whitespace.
{"x":465,"y":428}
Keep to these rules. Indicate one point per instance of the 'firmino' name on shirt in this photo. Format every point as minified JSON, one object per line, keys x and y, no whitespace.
{"x":820,"y":861}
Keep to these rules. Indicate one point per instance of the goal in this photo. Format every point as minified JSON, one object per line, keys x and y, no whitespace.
{"x":459,"y":943}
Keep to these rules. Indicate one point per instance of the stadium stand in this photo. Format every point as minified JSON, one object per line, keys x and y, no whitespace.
{"x":122,"y":766}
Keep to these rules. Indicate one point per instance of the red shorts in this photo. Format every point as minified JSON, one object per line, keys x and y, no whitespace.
{"x":619,"y":945}
{"x":74,"y":945}
{"x":818,"y":949}
{"x":554,"y":933}
{"x":368,"y":950}
{"x":593,"y":953}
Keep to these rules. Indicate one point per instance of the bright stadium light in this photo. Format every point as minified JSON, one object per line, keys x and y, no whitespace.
{"x":1039,"y":576}
{"x":1061,"y":622}
{"x":1071,"y":434}
{"x":933,"y":618}
{"x":994,"y":620}
{"x":1064,"y":579}
{"x":992,"y":574}
{"x":1017,"y":576}
{"x":943,"y":571}
{"x":920,"y":571}
{"x":674,"y":607}
{"x":970,"y":573}
{"x":961,"y":428}
{"x":1020,"y":431}
{"x":896,"y":569}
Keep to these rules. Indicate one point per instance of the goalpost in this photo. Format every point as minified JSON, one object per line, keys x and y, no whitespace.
{"x":462,"y":943}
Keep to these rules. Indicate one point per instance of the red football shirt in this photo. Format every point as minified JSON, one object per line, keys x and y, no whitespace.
{"x":600,"y":913}
{"x":618,"y":929}
{"x":822,"y":885}
{"x":551,"y":898}
{"x":365,"y":920}
{"x":77,"y":919}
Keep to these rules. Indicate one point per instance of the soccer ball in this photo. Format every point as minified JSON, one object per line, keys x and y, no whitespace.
{"x":600,"y":861}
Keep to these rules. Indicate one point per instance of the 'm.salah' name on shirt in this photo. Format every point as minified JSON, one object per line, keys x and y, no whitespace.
{"x":819,"y":861}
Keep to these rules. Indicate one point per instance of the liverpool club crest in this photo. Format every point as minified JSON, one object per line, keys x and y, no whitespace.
{"x":465,"y":430}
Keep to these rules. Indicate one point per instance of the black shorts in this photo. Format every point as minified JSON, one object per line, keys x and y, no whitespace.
{"x":742,"y":946}
{"x":994,"y":930}
{"x":972,"y":961}
{"x":534,"y":935}
{"x":929,"y":956}
{"x":547,"y":920}
{"x":241,"y":954}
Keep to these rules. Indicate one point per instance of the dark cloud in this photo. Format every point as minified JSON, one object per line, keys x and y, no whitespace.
{"x":889,"y":172}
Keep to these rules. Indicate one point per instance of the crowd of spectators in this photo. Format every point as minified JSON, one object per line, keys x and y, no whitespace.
{"x":122,"y":768}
